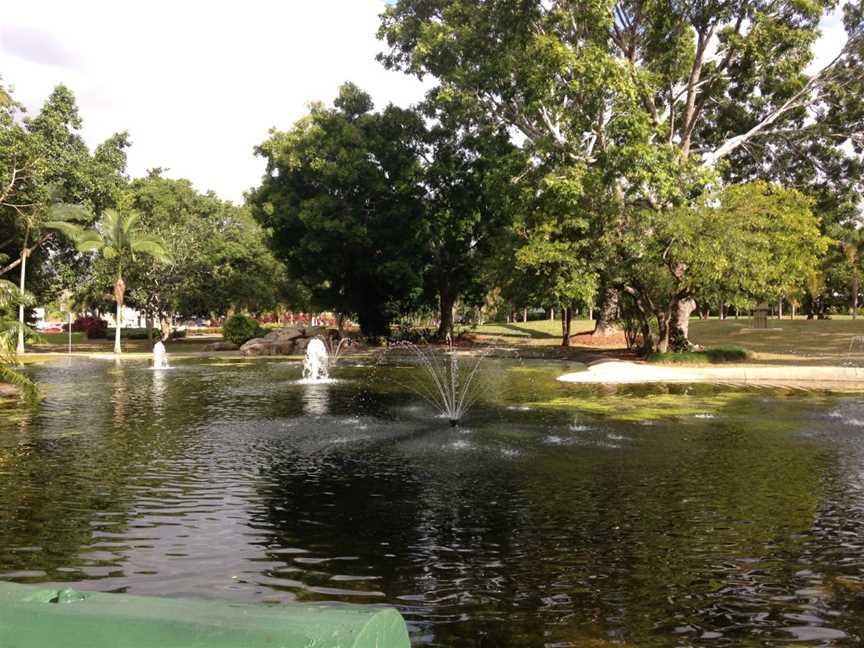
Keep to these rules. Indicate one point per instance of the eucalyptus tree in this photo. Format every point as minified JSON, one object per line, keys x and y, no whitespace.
{"x":119,"y":239}
{"x":652,"y":96}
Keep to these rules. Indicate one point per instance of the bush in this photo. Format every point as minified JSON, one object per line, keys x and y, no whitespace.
{"x":131,"y":333}
{"x":178,"y":334}
{"x":713,"y":355}
{"x":94,"y":327}
{"x":239,"y":329}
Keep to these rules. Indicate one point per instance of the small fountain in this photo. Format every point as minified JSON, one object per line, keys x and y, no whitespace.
{"x":160,"y":356}
{"x":321,"y":354}
{"x":449,"y":385}
{"x":316,"y":363}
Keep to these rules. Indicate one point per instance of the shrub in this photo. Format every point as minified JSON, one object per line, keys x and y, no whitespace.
{"x":94,"y":327}
{"x":239,"y":329}
{"x":713,"y":355}
{"x":178,"y":334}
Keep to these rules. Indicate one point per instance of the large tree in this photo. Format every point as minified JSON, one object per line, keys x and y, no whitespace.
{"x":468,"y":199}
{"x":341,"y":200}
{"x":650,"y":96}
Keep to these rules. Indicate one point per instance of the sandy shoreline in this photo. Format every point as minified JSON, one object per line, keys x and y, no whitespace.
{"x":624,"y":372}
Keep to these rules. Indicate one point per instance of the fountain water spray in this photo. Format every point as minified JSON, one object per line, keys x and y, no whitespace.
{"x":321,"y":355}
{"x":448,"y":387}
{"x":160,"y":356}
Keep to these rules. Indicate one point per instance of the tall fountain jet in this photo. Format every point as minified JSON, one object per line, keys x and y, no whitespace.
{"x":316,"y":362}
{"x":160,"y":356}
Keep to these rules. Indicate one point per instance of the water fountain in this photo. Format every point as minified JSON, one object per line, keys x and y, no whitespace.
{"x":160,"y":356}
{"x":321,"y":355}
{"x":448,"y":384}
{"x":315,"y":362}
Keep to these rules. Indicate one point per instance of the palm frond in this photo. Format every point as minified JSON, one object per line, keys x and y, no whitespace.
{"x":70,"y":213}
{"x":150,"y":245}
{"x":14,"y":377}
{"x":72,"y":230}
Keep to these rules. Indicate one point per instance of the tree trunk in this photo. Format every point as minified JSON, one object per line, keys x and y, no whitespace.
{"x":552,"y":314}
{"x":149,"y":323}
{"x":117,"y":325}
{"x":855,"y":295}
{"x":605,"y":325}
{"x":566,"y":317}
{"x":662,"y":333}
{"x":445,"y":303}
{"x":20,"y":346}
{"x":722,"y":311}
{"x":780,"y":308}
{"x":524,"y":315}
{"x":681,"y":311}
{"x":119,"y":293}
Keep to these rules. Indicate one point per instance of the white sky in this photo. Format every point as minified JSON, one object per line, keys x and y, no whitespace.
{"x":198,"y":84}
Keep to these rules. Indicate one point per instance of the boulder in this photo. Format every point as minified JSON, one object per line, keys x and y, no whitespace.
{"x":314,"y":331}
{"x":283,"y":347}
{"x":300,"y":345}
{"x":284,"y":334}
{"x":256,"y":347}
{"x":221,"y":346}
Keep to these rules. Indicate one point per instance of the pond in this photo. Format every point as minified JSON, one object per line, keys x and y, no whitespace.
{"x":553,"y":516}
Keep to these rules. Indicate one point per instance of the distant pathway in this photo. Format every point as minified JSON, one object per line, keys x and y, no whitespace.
{"x":623,"y":372}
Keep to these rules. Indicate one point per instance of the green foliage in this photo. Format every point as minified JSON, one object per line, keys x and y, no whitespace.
{"x":713,"y":355}
{"x":757,"y":240}
{"x":10,"y":297}
{"x":341,"y":202}
{"x":239,"y":329}
{"x":637,"y":107}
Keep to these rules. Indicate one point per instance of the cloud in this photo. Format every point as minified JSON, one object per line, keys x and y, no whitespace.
{"x":198,"y":84}
{"x":35,"y":46}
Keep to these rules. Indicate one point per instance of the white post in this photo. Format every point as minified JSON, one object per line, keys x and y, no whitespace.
{"x":69,"y":326}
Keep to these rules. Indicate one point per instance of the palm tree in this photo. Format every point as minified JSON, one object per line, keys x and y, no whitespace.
{"x":118,"y":237}
{"x":40,"y":224}
{"x":10,"y":297}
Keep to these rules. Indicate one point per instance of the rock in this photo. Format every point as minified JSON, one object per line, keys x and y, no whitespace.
{"x":221,"y":346}
{"x":284,"y":334}
{"x":300,"y":345}
{"x":256,"y":347}
{"x":314,"y":331}
{"x":283,"y":347}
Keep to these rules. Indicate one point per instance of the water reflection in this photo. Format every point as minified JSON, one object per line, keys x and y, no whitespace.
{"x":553,"y":517}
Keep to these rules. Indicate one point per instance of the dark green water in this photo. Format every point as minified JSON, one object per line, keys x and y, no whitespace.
{"x":555,"y":516}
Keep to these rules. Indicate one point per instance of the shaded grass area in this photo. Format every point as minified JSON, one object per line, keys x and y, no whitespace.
{"x":60,"y":338}
{"x":709,"y":355}
{"x":799,"y":341}
{"x":537,"y":332}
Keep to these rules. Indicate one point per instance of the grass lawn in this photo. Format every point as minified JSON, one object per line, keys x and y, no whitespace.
{"x":799,"y":341}
{"x":537,"y":332}
{"x":183,"y":345}
{"x":61,"y":338}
